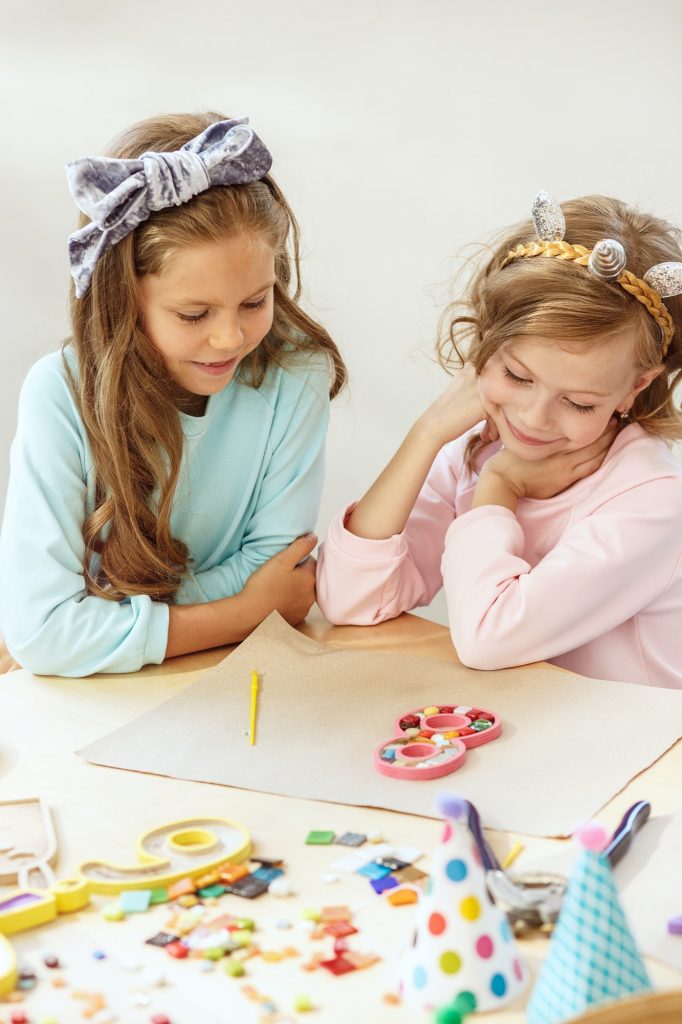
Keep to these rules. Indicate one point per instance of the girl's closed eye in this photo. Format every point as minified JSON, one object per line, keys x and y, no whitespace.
{"x":255,"y":303}
{"x":580,"y":408}
{"x":514,"y":377}
{"x":524,"y":380}
{"x":192,"y":318}
{"x":195,"y":318}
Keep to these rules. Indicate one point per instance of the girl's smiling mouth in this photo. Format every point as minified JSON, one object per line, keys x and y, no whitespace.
{"x":525,"y":438}
{"x":216,"y":368}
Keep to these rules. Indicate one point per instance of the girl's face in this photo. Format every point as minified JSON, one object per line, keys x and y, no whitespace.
{"x":207,"y":309}
{"x":545,"y":399}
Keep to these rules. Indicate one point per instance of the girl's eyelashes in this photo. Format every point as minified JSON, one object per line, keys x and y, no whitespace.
{"x":580,"y":408}
{"x":194,"y":318}
{"x":512,"y":376}
{"x":524,"y":380}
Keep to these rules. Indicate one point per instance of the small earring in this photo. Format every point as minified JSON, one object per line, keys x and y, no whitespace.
{"x":623,"y":415}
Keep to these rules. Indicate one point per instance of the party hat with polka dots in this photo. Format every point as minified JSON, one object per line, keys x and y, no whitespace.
{"x":463,"y":947}
{"x":593,"y":958}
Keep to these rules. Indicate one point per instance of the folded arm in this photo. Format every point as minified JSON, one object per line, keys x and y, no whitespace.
{"x":606,"y":568}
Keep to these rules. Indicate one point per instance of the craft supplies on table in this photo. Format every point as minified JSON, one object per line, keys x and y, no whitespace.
{"x":348,"y":699}
{"x":180,"y":849}
{"x":8,"y":966}
{"x":197,"y":927}
{"x":432,"y":740}
{"x":253,"y":709}
{"x":28,"y":844}
{"x":533,"y":899}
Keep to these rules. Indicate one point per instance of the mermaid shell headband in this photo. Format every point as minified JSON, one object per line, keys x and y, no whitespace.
{"x":606,"y":260}
{"x":117,"y":195}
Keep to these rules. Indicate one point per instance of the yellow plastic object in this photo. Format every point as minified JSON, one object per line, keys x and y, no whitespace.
{"x":166,"y":854}
{"x":8,"y":966}
{"x":26,"y":908}
{"x":71,"y":894}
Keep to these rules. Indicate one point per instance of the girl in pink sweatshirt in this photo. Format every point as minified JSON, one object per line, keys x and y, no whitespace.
{"x":539,"y":489}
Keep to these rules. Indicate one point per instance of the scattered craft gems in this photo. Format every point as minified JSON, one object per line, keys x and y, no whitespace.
{"x":198,"y":928}
{"x":351,"y":839}
{"x":281,"y":887}
{"x":320,"y":838}
{"x":433,"y":740}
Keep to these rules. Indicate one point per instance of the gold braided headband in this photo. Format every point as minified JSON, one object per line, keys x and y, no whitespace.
{"x":607,"y":261}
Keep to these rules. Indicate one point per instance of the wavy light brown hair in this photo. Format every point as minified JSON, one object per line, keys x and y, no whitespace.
{"x":540,"y":297}
{"x":123,"y":390}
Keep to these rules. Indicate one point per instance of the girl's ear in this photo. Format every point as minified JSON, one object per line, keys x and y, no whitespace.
{"x":643,"y":382}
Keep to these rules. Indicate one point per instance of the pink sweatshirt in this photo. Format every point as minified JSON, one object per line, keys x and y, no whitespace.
{"x":590,"y":580}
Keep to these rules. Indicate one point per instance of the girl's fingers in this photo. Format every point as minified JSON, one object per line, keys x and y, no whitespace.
{"x":297,"y":551}
{"x":490,"y":432}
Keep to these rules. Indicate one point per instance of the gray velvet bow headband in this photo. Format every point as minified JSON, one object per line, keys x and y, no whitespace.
{"x":118,"y":195}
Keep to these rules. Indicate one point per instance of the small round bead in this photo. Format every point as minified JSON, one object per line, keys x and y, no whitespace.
{"x":280,"y":887}
{"x":234,"y":968}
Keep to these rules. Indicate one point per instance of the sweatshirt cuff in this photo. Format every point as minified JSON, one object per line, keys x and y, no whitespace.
{"x":157,"y":634}
{"x":495,"y":522}
{"x":363,"y":548}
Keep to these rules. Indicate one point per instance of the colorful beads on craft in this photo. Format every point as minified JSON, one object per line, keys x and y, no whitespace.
{"x":433,"y":740}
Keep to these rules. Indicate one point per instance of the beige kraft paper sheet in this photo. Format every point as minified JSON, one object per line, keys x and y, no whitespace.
{"x":568,"y":744}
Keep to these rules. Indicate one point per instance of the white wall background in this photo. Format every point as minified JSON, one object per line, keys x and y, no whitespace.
{"x":401,"y":130}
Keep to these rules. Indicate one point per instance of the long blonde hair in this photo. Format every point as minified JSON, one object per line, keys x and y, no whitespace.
{"x":123,"y":391}
{"x":548,"y":298}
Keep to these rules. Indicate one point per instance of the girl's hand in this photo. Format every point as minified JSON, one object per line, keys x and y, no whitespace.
{"x":286,"y":582}
{"x":455,"y":411}
{"x":546,"y":477}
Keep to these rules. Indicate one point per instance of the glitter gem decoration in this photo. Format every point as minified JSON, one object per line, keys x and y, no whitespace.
{"x":666,"y":279}
{"x":548,"y":218}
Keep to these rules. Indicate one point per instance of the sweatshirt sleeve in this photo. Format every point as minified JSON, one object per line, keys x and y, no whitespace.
{"x":606,"y":568}
{"x":51,"y":625}
{"x":289,"y":496}
{"x":362,"y":582}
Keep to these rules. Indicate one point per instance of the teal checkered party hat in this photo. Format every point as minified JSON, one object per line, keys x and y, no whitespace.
{"x":464,"y":956}
{"x":593,"y":958}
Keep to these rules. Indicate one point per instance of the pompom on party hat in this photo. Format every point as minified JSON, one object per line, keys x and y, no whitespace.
{"x":464,"y":956}
{"x":593,"y":958}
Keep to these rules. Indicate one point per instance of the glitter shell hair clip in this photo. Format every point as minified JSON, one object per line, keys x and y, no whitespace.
{"x":548,"y":218}
{"x":605,"y":260}
{"x":666,"y":279}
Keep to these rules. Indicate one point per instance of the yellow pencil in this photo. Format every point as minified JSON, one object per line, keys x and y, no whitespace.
{"x":512,"y":855}
{"x":254,"y":704}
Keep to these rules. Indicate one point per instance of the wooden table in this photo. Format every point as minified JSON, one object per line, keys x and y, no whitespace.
{"x":101,"y":812}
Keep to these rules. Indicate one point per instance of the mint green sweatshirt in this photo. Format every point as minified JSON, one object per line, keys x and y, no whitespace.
{"x":250,"y":482}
